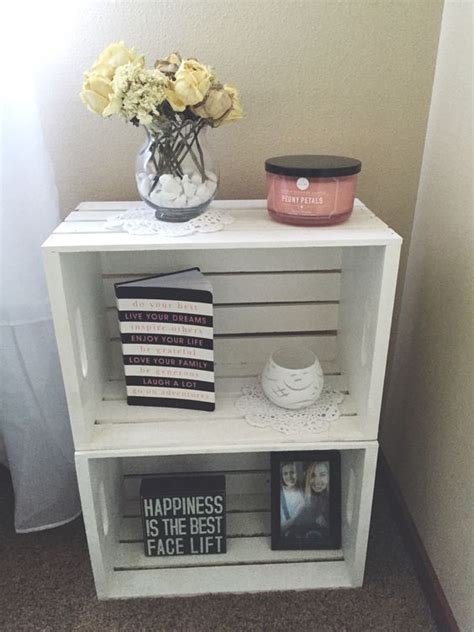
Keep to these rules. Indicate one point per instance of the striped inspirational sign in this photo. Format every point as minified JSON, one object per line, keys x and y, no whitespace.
{"x":167,"y":335}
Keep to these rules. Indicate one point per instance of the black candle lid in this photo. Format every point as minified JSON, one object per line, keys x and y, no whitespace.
{"x":312,"y":166}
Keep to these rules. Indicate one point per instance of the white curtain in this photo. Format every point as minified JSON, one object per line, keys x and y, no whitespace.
{"x":35,"y":438}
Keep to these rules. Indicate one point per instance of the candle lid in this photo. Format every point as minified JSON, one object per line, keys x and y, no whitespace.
{"x":313,"y":166}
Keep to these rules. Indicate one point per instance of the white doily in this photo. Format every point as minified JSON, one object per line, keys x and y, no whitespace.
{"x":259,"y":411}
{"x":142,"y":221}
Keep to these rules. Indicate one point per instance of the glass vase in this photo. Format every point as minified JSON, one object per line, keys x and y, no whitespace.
{"x":176,"y":173}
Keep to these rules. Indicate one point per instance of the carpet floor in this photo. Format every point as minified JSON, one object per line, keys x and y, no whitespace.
{"x":46,"y":584}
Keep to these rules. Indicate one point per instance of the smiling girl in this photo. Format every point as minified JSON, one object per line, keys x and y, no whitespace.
{"x":292,"y":499}
{"x":316,"y":512}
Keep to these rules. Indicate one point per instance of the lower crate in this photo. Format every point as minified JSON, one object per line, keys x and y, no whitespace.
{"x":109,"y":487}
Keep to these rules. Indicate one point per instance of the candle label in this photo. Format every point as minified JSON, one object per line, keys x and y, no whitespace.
{"x":310,"y":196}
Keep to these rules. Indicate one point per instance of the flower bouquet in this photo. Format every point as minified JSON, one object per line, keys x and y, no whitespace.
{"x":176,"y":102}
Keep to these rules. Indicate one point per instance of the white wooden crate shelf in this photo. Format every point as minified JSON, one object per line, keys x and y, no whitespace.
{"x":109,"y":488}
{"x":330,"y":289}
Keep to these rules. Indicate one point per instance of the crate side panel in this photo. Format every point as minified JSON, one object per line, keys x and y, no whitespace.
{"x":78,"y":311}
{"x":383,"y":315}
{"x":361,"y":278}
{"x":101,"y":500}
{"x":357,"y":483}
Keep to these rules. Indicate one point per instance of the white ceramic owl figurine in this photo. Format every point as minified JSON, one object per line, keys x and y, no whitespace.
{"x":293,"y":378}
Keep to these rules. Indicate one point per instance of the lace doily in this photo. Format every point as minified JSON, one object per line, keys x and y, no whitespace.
{"x":142,"y":221}
{"x":259,"y":411}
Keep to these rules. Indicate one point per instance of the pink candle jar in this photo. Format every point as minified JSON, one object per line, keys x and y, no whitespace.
{"x":311,"y":190}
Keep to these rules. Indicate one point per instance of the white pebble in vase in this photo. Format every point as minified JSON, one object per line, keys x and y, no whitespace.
{"x":196,"y":179}
{"x":155,"y":196}
{"x":188,"y":187}
{"x":163,"y":198}
{"x":180,"y":201}
{"x":293,"y":378}
{"x":193,"y":201}
{"x":172,"y":186}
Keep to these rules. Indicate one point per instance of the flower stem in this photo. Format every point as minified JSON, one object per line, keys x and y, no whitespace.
{"x":173,"y":142}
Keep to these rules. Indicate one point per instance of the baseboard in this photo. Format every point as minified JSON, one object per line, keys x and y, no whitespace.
{"x":440,"y":608}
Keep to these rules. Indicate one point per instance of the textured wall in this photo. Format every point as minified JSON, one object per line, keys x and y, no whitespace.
{"x":429,"y":440}
{"x":350,"y":77}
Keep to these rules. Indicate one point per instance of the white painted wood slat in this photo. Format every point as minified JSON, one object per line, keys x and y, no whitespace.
{"x":125,"y":205}
{"x":115,"y":389}
{"x":94,"y":215}
{"x":214,"y":436}
{"x":242,"y":356}
{"x":258,"y":319}
{"x":195,"y":463}
{"x":235,"y":579}
{"x":270,"y":260}
{"x":117,"y":412}
{"x":228,"y":390}
{"x":250,"y":551}
{"x":83,"y":228}
{"x":111,"y":206}
{"x":277,"y":287}
{"x":238,"y":239}
{"x":243,"y":482}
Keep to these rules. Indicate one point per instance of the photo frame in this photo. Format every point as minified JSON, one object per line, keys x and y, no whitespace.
{"x":306,"y":500}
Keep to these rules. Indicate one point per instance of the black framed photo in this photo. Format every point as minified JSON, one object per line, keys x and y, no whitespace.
{"x":306,"y":500}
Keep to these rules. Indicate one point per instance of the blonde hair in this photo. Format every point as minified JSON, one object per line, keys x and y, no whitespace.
{"x":307,"y":487}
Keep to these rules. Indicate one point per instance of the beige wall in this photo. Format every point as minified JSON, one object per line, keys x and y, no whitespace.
{"x":428,"y":434}
{"x":319,"y":76}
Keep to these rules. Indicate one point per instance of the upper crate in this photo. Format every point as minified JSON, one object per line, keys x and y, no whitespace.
{"x":329,"y":288}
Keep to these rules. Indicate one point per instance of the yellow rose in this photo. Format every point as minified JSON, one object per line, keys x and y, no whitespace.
{"x":192,"y":81}
{"x":216,"y":104}
{"x":98,"y":95}
{"x":173,"y":98}
{"x":114,"y":56}
{"x":236,"y":112}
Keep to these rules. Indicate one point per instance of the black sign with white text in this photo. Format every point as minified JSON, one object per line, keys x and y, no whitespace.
{"x":183,"y":515}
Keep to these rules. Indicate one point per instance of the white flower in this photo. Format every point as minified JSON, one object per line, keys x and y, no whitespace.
{"x":140,"y":91}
